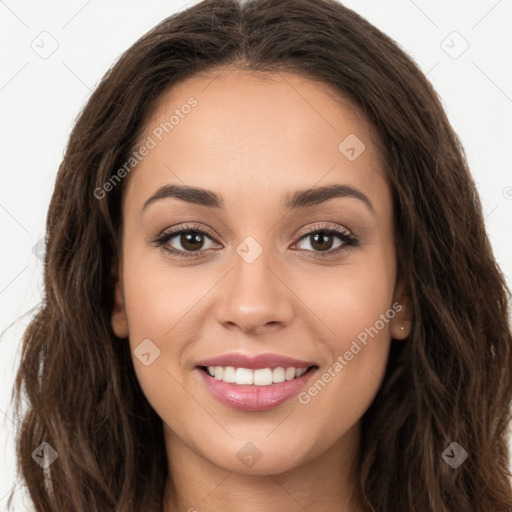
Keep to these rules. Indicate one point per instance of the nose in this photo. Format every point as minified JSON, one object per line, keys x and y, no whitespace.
{"x":254,"y":296}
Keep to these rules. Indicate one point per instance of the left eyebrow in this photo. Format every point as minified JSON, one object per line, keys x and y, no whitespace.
{"x":299,"y":199}
{"x":317,"y":195}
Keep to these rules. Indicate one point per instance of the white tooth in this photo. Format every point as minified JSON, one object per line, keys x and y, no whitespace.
{"x":300,"y":371}
{"x":211,"y":370}
{"x":263,"y":377}
{"x":278,"y":374}
{"x":218,"y":372}
{"x":289,"y":374}
{"x":229,"y":374}
{"x":244,"y":376}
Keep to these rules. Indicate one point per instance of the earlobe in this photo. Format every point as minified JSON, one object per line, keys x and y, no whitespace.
{"x":118,"y":319}
{"x":400,"y":331}
{"x":401,"y":323}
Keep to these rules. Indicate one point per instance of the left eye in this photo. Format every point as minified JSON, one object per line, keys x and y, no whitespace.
{"x":320,"y":241}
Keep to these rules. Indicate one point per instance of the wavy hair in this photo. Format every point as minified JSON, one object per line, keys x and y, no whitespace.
{"x":451,"y":380}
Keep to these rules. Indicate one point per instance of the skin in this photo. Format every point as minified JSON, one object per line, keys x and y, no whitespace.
{"x":253,"y":139}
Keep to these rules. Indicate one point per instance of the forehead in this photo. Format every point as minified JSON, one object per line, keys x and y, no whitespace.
{"x":262,"y":132}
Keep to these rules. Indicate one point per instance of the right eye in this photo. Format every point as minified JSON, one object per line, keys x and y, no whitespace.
{"x":190,"y":241}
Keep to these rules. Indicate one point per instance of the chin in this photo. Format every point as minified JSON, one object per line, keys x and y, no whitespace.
{"x":258,"y":458}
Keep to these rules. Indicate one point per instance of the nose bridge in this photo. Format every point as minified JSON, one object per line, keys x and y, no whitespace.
{"x":253,"y":296}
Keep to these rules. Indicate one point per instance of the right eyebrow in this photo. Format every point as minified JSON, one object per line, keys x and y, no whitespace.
{"x":193,"y":195}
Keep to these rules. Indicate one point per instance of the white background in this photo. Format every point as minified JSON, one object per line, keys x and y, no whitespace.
{"x":40,"y":99}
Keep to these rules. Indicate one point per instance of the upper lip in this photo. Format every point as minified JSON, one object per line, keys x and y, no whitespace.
{"x":239,"y":360}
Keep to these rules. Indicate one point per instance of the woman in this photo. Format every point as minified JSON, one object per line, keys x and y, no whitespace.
{"x":268,"y":283}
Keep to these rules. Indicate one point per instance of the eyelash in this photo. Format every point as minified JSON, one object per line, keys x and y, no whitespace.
{"x":349,"y":240}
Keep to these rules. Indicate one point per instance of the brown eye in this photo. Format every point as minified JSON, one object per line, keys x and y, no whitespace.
{"x":191,"y":240}
{"x":187,"y":241}
{"x":321,"y":241}
{"x":329,"y":240}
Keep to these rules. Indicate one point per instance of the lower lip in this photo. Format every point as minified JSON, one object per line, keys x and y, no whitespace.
{"x":254,"y":398}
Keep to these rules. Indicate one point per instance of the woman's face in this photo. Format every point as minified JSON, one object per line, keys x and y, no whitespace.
{"x":277,"y":274}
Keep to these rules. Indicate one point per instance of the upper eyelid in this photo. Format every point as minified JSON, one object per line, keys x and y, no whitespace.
{"x":325,"y":226}
{"x":171,"y":233}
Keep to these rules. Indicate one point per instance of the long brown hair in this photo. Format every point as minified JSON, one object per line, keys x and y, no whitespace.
{"x":450,"y":381}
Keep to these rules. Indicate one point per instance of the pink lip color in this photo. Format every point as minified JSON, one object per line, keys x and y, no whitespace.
{"x":239,"y":360}
{"x":254,"y":398}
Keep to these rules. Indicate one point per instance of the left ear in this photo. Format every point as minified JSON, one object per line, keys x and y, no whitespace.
{"x":402,"y":321}
{"x":118,"y":317}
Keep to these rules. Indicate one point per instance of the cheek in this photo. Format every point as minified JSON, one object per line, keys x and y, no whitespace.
{"x":158,"y":297}
{"x":358,"y":311}
{"x":351,"y":301}
{"x":159,"y":303}
{"x":363,"y":311}
{"x":159,"y":310}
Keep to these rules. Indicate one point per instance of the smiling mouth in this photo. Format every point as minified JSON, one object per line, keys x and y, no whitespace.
{"x":255,"y":377}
